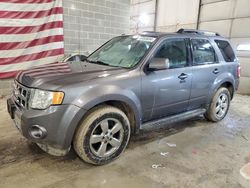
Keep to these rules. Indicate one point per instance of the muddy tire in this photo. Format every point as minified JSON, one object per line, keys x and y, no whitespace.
{"x":102,"y":136}
{"x":219,"y":105}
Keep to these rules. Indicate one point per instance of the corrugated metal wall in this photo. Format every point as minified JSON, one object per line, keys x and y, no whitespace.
{"x":139,"y":7}
{"x":173,"y":15}
{"x":230,"y":18}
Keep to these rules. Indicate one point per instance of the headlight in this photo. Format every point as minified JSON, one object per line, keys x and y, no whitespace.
{"x":41,"y":99}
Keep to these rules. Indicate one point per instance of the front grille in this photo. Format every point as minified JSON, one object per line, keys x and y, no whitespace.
{"x":21,"y":95}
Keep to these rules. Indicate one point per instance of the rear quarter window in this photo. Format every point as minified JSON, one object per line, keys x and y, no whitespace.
{"x":226,"y":50}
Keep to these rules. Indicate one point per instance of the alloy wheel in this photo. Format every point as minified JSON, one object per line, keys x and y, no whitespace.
{"x":106,"y":137}
{"x":221,"y":105}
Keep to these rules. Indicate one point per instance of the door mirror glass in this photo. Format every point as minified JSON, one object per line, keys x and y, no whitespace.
{"x":159,"y":64}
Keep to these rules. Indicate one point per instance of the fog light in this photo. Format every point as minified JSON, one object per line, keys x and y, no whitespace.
{"x":37,"y":132}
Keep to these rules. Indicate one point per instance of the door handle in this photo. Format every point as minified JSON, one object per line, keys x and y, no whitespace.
{"x":216,"y":71}
{"x":183,"y":76}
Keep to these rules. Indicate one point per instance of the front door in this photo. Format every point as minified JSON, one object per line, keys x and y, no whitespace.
{"x":166,"y":92}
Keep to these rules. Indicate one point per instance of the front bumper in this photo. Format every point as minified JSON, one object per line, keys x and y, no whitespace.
{"x":59,"y":122}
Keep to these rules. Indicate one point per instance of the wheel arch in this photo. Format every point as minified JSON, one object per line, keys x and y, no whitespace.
{"x":123,"y":106}
{"x":225,"y":83}
{"x":125,"y":100}
{"x":230,"y":88}
{"x":224,"y":80}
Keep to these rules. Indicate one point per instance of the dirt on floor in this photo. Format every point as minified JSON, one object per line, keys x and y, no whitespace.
{"x":193,"y":153}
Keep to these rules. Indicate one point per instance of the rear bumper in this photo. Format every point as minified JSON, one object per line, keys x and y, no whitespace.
{"x":59,"y":122}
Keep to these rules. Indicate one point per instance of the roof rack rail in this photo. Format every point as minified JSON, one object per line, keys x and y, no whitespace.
{"x":199,"y":32}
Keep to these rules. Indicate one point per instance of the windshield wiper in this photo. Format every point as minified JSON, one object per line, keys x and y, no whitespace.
{"x":97,"y":62}
{"x":100,"y":63}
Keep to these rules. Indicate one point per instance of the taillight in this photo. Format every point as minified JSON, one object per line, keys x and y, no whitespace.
{"x":238,"y":71}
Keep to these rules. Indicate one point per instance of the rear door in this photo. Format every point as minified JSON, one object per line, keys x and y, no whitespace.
{"x":206,"y":68}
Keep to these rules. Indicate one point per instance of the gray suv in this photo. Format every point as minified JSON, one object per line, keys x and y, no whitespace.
{"x":129,"y":83}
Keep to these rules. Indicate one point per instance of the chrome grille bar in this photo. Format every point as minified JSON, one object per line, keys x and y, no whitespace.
{"x":21,"y":94}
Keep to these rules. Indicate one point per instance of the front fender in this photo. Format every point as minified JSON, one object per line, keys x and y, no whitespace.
{"x":101,"y":94}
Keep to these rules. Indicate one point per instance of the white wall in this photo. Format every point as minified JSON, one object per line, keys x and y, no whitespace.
{"x":171,"y":14}
{"x":139,"y":7}
{"x":230,"y":18}
{"x":176,"y":14}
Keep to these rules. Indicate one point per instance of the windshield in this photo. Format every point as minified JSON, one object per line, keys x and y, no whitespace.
{"x":123,"y":51}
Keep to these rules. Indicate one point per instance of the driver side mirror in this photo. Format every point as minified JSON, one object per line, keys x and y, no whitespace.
{"x":159,"y":64}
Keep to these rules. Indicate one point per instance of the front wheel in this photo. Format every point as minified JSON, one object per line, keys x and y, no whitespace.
{"x":219,"y":105}
{"x":102,"y":136}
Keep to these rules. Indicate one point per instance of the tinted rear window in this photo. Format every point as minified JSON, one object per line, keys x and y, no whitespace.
{"x":226,"y":50}
{"x":203,"y":52}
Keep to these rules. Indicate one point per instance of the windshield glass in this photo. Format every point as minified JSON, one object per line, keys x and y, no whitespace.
{"x":123,"y":51}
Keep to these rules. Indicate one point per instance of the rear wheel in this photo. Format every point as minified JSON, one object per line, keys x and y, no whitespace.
{"x":219,"y":105}
{"x":102,"y":136}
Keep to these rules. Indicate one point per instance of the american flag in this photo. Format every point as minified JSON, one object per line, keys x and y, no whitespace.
{"x":31,"y":34}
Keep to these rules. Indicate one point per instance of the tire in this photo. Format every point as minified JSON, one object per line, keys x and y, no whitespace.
{"x":219,"y":105}
{"x":102,"y":136}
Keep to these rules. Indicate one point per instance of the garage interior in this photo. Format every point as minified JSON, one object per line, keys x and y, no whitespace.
{"x":192,"y":153}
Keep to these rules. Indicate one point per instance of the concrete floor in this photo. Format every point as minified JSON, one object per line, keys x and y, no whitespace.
{"x":206,"y":155}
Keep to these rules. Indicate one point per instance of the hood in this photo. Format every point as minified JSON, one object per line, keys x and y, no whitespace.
{"x":57,"y":75}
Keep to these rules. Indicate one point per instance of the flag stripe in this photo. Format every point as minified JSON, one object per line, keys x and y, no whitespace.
{"x":46,"y":67}
{"x":42,"y":67}
{"x":30,"y":14}
{"x":38,"y":74}
{"x":31,"y":57}
{"x":29,"y":6}
{"x":30,"y":22}
{"x":54,"y":73}
{"x":10,"y":74}
{"x":26,"y":1}
{"x":29,"y":51}
{"x":43,"y":70}
{"x":35,"y":42}
{"x":32,"y":36}
{"x":29,"y":64}
{"x":30,"y":29}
